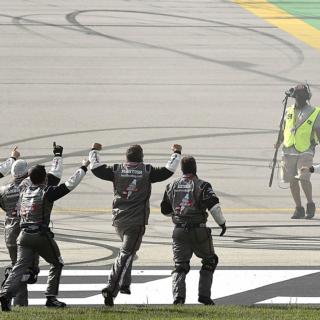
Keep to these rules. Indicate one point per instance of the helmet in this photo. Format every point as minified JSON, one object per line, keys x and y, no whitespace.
{"x":19,"y":168}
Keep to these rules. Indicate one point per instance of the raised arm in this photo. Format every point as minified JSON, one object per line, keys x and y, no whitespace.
{"x":55,"y":173}
{"x":163,"y":173}
{"x":99,"y":169}
{"x":54,"y":193}
{"x":5,"y":167}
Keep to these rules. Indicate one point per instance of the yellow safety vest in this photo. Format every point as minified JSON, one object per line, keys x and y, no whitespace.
{"x":299,"y":137}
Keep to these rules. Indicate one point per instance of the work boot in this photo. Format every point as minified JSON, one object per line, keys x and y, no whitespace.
{"x":178,"y":300}
{"x":5,"y":303}
{"x":298,"y":213}
{"x":206,"y":301}
{"x":125,"y":290}
{"x":311,"y":209}
{"x":53,"y":302}
{"x":108,"y":298}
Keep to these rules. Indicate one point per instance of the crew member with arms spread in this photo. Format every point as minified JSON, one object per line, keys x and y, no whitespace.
{"x":132,"y":189}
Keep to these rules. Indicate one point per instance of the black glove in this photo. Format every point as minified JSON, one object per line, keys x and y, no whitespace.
{"x":223,"y":229}
{"x":57,"y":150}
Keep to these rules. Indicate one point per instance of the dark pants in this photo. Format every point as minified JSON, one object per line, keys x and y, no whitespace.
{"x":185,"y":243}
{"x":29,"y":245}
{"x":11,"y":233}
{"x":120,"y":275}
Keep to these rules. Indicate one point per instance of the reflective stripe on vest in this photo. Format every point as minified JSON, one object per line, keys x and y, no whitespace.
{"x":300,"y":137}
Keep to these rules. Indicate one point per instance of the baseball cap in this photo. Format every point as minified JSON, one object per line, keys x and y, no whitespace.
{"x":19,"y":168}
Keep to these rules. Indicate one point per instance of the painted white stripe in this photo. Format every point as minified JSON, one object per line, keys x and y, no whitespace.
{"x":69,"y":287}
{"x":225,"y":283}
{"x":86,"y":273}
{"x":93,"y":300}
{"x":291,"y":300}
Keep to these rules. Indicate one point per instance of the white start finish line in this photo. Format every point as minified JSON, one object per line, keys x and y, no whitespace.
{"x":158,"y":291}
{"x":291,"y":300}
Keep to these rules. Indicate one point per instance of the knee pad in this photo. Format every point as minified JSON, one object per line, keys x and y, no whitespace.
{"x":182,"y":267}
{"x":210,"y":264}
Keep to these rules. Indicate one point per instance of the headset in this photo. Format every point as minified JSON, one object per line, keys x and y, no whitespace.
{"x":300,"y":90}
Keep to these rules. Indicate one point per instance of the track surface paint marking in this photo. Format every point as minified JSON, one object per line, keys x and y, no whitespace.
{"x":154,"y":286}
{"x":283,"y":20}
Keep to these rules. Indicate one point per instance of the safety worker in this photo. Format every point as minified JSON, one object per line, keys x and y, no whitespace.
{"x":300,"y":135}
{"x":186,"y":200}
{"x":132,"y":189}
{"x":38,"y":194}
{"x":9,"y":196}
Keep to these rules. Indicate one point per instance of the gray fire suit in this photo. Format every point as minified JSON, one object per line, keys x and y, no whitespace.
{"x":8,"y":205}
{"x":187,"y":200}
{"x":9,"y":196}
{"x":36,"y":202}
{"x":132,"y":189}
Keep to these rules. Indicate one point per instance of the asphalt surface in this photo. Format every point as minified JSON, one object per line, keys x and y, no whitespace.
{"x":206,"y":74}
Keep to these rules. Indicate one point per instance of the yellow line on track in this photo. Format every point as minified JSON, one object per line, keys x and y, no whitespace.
{"x":283,"y":20}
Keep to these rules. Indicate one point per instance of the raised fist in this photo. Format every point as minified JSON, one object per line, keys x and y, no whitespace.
{"x":96,"y":146}
{"x":176,"y":148}
{"x":57,"y":150}
{"x":15,"y":153}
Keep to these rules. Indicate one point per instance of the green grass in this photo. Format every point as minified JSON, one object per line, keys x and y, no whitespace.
{"x":165,"y":312}
{"x":307,"y":10}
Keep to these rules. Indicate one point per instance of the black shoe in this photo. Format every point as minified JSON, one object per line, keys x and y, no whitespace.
{"x":178,"y":300}
{"x":20,"y":303}
{"x":206,"y":301}
{"x":298,"y":213}
{"x":108,"y":298}
{"x":5,"y":303}
{"x":53,"y":302}
{"x":311,"y":210}
{"x":125,"y":290}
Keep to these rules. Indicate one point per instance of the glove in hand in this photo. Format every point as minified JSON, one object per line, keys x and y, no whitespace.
{"x":223,"y":229}
{"x":57,"y":150}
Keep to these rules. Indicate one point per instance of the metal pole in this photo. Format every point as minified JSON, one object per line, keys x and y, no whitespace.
{"x":274,"y":160}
